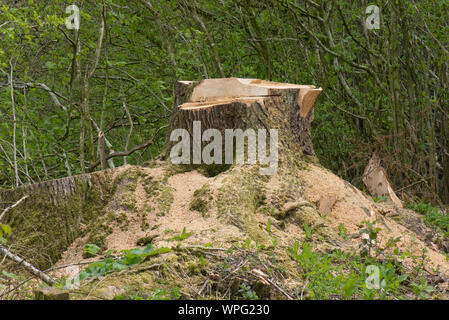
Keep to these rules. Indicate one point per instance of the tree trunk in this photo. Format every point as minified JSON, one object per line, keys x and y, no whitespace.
{"x":234,"y":103}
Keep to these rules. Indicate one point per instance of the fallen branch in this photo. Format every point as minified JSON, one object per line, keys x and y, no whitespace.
{"x":201,"y":248}
{"x":12,"y":207}
{"x":127,"y":153}
{"x":46,"y":271}
{"x":280,"y":289}
{"x":28,"y":266}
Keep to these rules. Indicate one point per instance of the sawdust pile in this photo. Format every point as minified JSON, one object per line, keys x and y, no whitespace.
{"x":338,"y":202}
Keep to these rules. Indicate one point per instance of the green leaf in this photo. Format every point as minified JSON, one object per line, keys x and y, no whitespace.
{"x":133,"y":259}
{"x":349,"y":288}
{"x":6,"y":229}
{"x":148,"y":249}
{"x":402,"y":277}
{"x":158,"y":251}
{"x":10,"y":275}
{"x":91,"y":249}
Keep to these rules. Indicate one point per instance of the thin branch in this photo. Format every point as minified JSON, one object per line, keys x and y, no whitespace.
{"x":12,"y":207}
{"x":127,"y":153}
{"x":28,"y":266}
{"x":430,"y":32}
{"x":99,"y":45}
{"x":131,"y":128}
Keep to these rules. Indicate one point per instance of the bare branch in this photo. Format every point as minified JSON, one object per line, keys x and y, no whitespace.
{"x":99,"y":45}
{"x":129,"y":152}
{"x":28,"y":266}
{"x":12,"y":207}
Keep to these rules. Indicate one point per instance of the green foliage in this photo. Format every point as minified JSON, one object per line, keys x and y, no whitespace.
{"x":308,"y":230}
{"x":8,"y":278}
{"x":139,"y":63}
{"x":339,"y":275}
{"x":370,"y":102}
{"x":433,"y":216}
{"x":247,"y":293}
{"x":138,"y":255}
{"x":369,"y":238}
{"x":423,"y":289}
{"x":183,"y":235}
{"x":379,"y":199}
{"x":91,"y":250}
{"x":246,"y":244}
{"x":201,"y":200}
{"x":269,"y":225}
{"x":270,"y":212}
{"x":4,"y":230}
{"x":113,"y":264}
{"x":342,"y":232}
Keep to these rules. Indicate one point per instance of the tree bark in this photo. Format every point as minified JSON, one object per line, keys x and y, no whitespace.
{"x":234,"y":103}
{"x":101,"y":153}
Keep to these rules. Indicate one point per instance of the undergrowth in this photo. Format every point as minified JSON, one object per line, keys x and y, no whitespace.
{"x":111,"y":264}
{"x":433,"y":217}
{"x":249,"y":270}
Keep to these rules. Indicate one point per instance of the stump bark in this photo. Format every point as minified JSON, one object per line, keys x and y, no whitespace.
{"x":234,"y":103}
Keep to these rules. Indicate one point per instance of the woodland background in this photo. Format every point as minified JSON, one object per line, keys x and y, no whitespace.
{"x":385,"y":90}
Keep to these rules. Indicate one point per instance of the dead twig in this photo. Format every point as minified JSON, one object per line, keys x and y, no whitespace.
{"x":303,"y":288}
{"x":280,"y":289}
{"x":12,"y":207}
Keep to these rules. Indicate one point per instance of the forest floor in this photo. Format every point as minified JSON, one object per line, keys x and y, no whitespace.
{"x":187,"y":248}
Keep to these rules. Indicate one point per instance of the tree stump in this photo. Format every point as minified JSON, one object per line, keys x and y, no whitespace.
{"x":234,"y":103}
{"x":57,"y":212}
